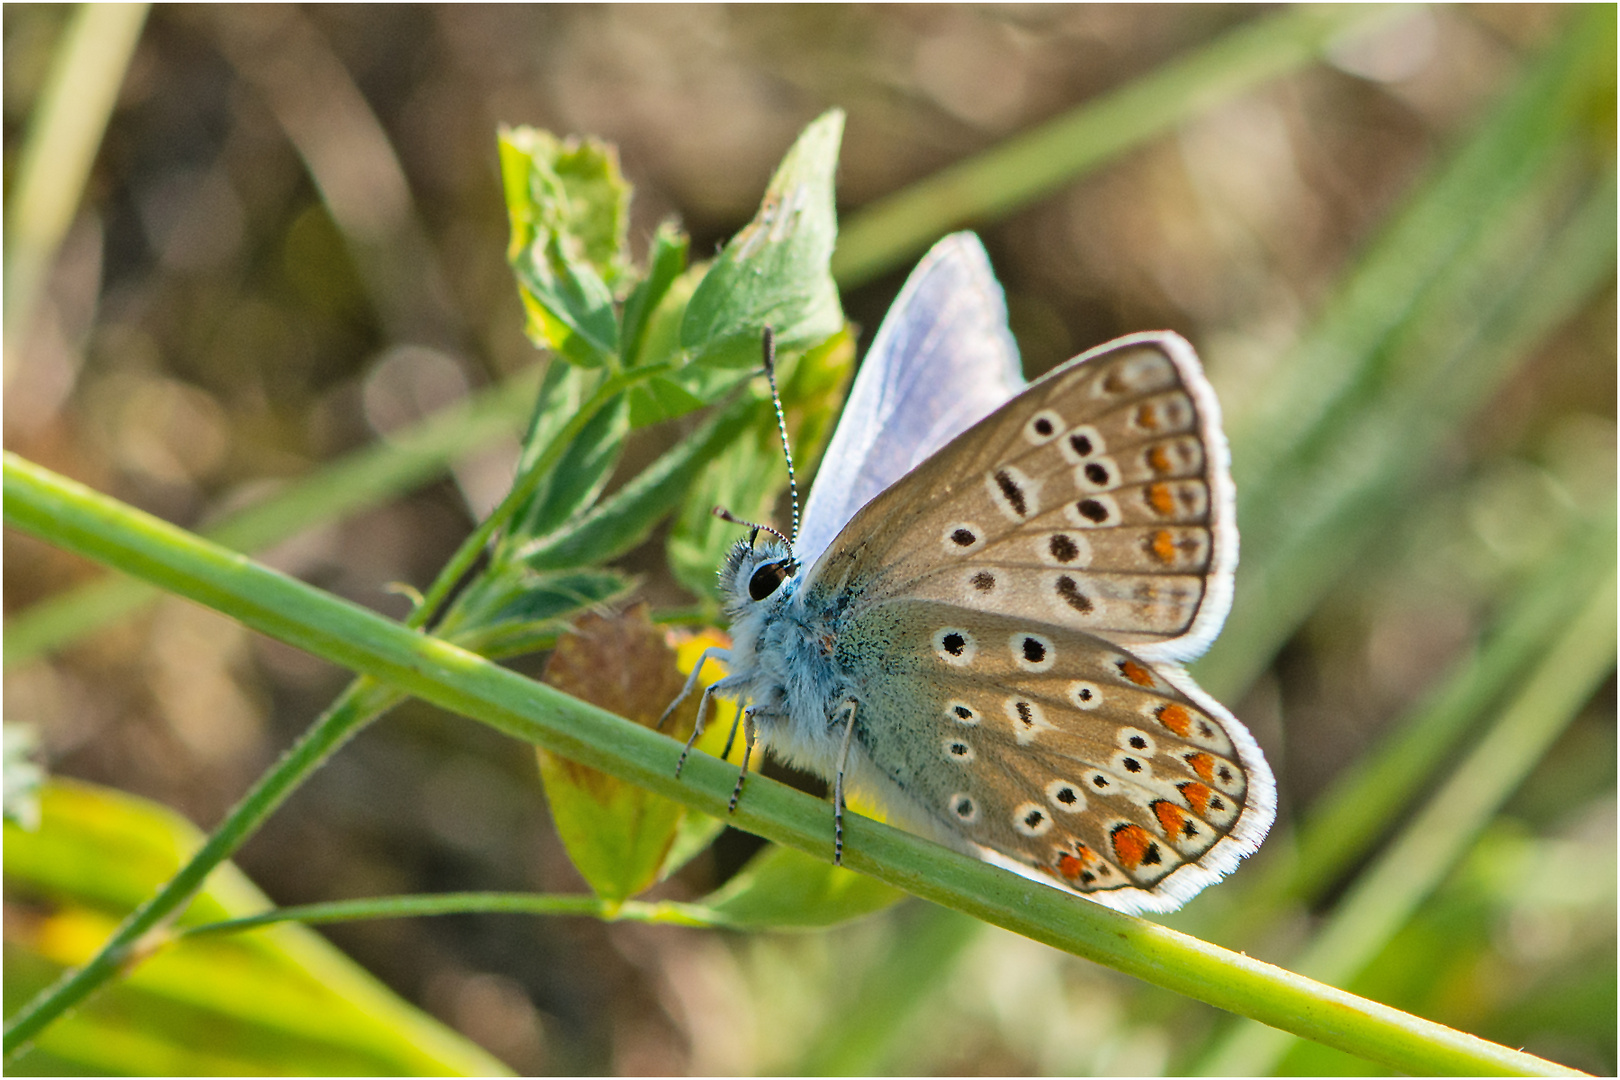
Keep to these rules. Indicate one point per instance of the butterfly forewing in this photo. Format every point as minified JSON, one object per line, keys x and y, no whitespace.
{"x":1097,"y":500}
{"x":1061,"y":753}
{"x":942,"y":360}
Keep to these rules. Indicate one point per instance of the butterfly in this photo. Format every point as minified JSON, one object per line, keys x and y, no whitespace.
{"x":982,"y":622}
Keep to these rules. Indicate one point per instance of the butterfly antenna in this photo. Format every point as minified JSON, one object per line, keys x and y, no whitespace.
{"x":781,"y":427}
{"x":726,"y":515}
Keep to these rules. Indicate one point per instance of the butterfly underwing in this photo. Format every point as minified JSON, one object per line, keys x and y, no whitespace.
{"x":983,"y":625}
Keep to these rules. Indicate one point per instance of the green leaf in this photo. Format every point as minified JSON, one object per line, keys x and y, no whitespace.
{"x":579,"y":476}
{"x":785,"y":889}
{"x":661,"y":335}
{"x":280,"y":1000}
{"x":665,"y":265}
{"x":569,"y":208}
{"x":568,"y":306}
{"x":566,"y":188}
{"x":518,"y":610}
{"x":696,"y":831}
{"x":662,"y":342}
{"x":625,"y":519}
{"x":775,"y":271}
{"x":660,"y":399}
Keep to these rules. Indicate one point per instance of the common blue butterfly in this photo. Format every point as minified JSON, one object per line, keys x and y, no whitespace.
{"x":983,"y":620}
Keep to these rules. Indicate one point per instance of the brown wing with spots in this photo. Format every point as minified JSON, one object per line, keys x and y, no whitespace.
{"x":1098,"y":499}
{"x":1064,"y":754}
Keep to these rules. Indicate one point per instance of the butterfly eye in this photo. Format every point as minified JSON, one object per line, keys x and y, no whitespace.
{"x":768,"y":578}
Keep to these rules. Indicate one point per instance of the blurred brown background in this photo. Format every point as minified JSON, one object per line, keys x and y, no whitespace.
{"x":293,"y":242}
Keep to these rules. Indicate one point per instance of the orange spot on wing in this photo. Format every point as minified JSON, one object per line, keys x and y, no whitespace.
{"x":1198,"y":795}
{"x":1147,"y":417}
{"x":1135,"y":672}
{"x":1203,"y":765}
{"x":1078,"y":864}
{"x":1158,"y":459}
{"x":1170,"y":817}
{"x":1176,"y":718}
{"x":1160,"y":498}
{"x":1131,"y":844}
{"x":1164,"y":546}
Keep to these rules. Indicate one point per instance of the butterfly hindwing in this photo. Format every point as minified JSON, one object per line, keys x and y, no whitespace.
{"x":1099,"y":500}
{"x":1060,"y":752}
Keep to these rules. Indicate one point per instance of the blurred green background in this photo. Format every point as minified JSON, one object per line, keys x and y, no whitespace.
{"x":292,"y":245}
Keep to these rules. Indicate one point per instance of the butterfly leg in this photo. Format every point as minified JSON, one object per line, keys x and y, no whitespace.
{"x":748,"y":750}
{"x":713,"y":652}
{"x":838,"y":784}
{"x":697,"y":725}
{"x":736,"y":721}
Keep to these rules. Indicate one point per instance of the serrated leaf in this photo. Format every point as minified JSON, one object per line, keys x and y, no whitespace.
{"x":775,"y":271}
{"x":569,"y":207}
{"x":571,"y":188}
{"x":785,"y":889}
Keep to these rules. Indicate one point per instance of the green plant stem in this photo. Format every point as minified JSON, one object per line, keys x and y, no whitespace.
{"x":79,"y":520}
{"x":55,"y":159}
{"x":474,"y":545}
{"x":1385,"y":897}
{"x":1032,"y":164}
{"x":664,"y":912}
{"x":363,"y":479}
{"x":337,"y":725}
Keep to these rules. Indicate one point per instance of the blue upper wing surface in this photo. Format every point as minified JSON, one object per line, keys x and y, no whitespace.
{"x":942,"y":361}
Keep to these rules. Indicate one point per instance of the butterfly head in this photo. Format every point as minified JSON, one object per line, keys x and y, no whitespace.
{"x":755,"y":571}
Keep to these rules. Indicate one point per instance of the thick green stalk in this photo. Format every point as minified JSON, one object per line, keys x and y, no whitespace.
{"x":71,"y":516}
